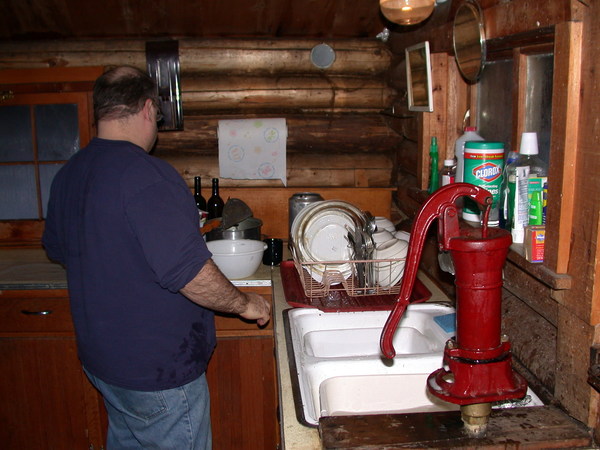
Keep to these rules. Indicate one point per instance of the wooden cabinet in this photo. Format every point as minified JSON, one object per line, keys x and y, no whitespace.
{"x":243,"y":384}
{"x":45,"y":117}
{"x":46,"y":401}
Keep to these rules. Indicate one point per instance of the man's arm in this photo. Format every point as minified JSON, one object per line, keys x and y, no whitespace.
{"x":211,"y":289}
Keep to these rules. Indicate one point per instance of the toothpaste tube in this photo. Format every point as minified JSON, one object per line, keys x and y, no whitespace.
{"x":520,"y":212}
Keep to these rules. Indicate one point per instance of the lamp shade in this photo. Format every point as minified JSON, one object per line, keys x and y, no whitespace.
{"x":406,"y":12}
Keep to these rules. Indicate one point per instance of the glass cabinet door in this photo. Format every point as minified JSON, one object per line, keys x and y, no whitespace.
{"x":38,"y":134}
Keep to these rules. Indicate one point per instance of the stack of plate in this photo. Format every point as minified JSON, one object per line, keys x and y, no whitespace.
{"x":388,"y":273}
{"x":320,"y":237}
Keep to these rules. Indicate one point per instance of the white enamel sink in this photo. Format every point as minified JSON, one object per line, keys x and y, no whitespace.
{"x":389,"y":394}
{"x":340,"y":371}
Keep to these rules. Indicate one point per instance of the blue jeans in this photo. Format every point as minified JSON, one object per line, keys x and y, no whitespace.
{"x":173,"y":419}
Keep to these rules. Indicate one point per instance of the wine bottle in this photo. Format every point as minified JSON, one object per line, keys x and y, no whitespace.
{"x":215,"y":202}
{"x":200,"y":201}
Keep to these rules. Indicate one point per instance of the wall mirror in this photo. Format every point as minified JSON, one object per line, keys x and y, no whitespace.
{"x":418,"y":77}
{"x":469,"y":40}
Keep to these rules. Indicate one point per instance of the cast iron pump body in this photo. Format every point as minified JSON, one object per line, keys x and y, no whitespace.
{"x":477,"y":366}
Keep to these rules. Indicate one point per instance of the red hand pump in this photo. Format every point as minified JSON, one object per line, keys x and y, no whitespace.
{"x":477,"y":367}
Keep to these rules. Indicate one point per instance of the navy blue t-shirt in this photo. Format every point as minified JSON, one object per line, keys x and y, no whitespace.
{"x":126,"y":227}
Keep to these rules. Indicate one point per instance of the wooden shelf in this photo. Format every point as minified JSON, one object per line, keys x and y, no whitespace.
{"x":516,"y":256}
{"x":557,"y":281}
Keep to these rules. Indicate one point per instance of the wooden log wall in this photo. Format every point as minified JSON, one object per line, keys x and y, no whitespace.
{"x":551,"y":319}
{"x":337,"y":135}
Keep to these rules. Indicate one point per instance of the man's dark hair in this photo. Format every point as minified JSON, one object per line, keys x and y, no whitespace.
{"x":121,"y":92}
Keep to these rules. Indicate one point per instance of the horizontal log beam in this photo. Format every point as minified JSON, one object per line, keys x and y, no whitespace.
{"x":350,"y":170}
{"x":316,"y":133}
{"x":202,"y":56}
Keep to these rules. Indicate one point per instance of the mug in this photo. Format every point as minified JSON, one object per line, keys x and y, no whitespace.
{"x":273,"y":255}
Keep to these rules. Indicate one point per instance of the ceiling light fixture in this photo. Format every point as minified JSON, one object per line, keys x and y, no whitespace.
{"x":406,"y":12}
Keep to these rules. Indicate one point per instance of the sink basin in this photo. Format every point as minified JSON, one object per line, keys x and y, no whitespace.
{"x":390,"y":394}
{"x":340,"y":370}
{"x":346,"y":344}
{"x":379,"y":394}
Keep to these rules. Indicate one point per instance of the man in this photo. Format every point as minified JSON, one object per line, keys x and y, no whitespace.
{"x":141,"y":281}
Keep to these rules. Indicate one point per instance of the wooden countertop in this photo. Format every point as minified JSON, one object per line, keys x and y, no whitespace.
{"x":30,"y":268}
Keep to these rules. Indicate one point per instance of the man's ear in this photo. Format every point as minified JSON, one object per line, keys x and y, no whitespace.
{"x":148,"y":110}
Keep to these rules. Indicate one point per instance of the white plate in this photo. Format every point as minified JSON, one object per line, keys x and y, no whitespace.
{"x":325,"y":239}
{"x":298,"y":220}
{"x":326,"y":236}
{"x":320,"y":234}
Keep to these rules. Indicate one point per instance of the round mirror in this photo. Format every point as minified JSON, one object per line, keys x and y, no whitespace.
{"x":469,"y":40}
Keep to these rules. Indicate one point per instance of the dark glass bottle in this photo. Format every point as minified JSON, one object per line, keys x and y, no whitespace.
{"x":200,"y":201}
{"x":215,"y":202}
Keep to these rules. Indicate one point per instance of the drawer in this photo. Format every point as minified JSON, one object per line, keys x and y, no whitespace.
{"x":35,"y":315}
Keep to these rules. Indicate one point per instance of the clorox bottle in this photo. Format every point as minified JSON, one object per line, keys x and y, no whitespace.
{"x":484,"y":163}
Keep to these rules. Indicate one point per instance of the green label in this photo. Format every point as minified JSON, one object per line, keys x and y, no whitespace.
{"x":484,"y":170}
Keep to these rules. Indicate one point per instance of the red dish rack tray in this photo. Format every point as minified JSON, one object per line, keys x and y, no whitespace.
{"x":300,"y":292}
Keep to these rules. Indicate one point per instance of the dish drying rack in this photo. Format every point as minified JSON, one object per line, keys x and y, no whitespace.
{"x":334,"y":280}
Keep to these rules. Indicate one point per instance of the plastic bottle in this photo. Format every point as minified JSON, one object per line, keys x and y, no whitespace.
{"x":536,"y":208}
{"x":484,"y":163}
{"x":448,"y":172}
{"x":433,"y":174}
{"x":535,"y":167}
{"x":470,"y":134}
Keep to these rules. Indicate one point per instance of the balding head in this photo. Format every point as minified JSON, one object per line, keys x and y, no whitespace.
{"x":122,"y":92}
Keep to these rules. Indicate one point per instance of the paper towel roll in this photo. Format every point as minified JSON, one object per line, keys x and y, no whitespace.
{"x":253,"y":149}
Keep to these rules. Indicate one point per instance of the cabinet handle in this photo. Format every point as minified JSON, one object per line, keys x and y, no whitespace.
{"x":36,"y":313}
{"x":6,"y":95}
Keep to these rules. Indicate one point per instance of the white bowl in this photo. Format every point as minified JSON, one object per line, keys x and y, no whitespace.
{"x":237,"y":258}
{"x":392,"y":249}
{"x":404,"y":235}
{"x":383,"y":223}
{"x":389,"y":273}
{"x":381,"y":236}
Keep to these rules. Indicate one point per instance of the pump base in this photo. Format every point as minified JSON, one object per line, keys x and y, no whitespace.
{"x":469,"y":381}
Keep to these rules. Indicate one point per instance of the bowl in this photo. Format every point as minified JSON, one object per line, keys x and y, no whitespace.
{"x":237,"y":258}
{"x":381,"y":236}
{"x":402,"y":235}
{"x":390,"y":271}
{"x":383,"y":223}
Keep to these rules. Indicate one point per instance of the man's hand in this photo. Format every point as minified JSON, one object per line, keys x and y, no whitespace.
{"x":211,"y":289}
{"x":257,"y":308}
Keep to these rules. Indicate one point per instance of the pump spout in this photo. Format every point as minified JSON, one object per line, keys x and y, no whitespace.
{"x":442,"y":206}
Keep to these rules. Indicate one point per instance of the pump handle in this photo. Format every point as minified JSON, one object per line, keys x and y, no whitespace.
{"x":440,"y":205}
